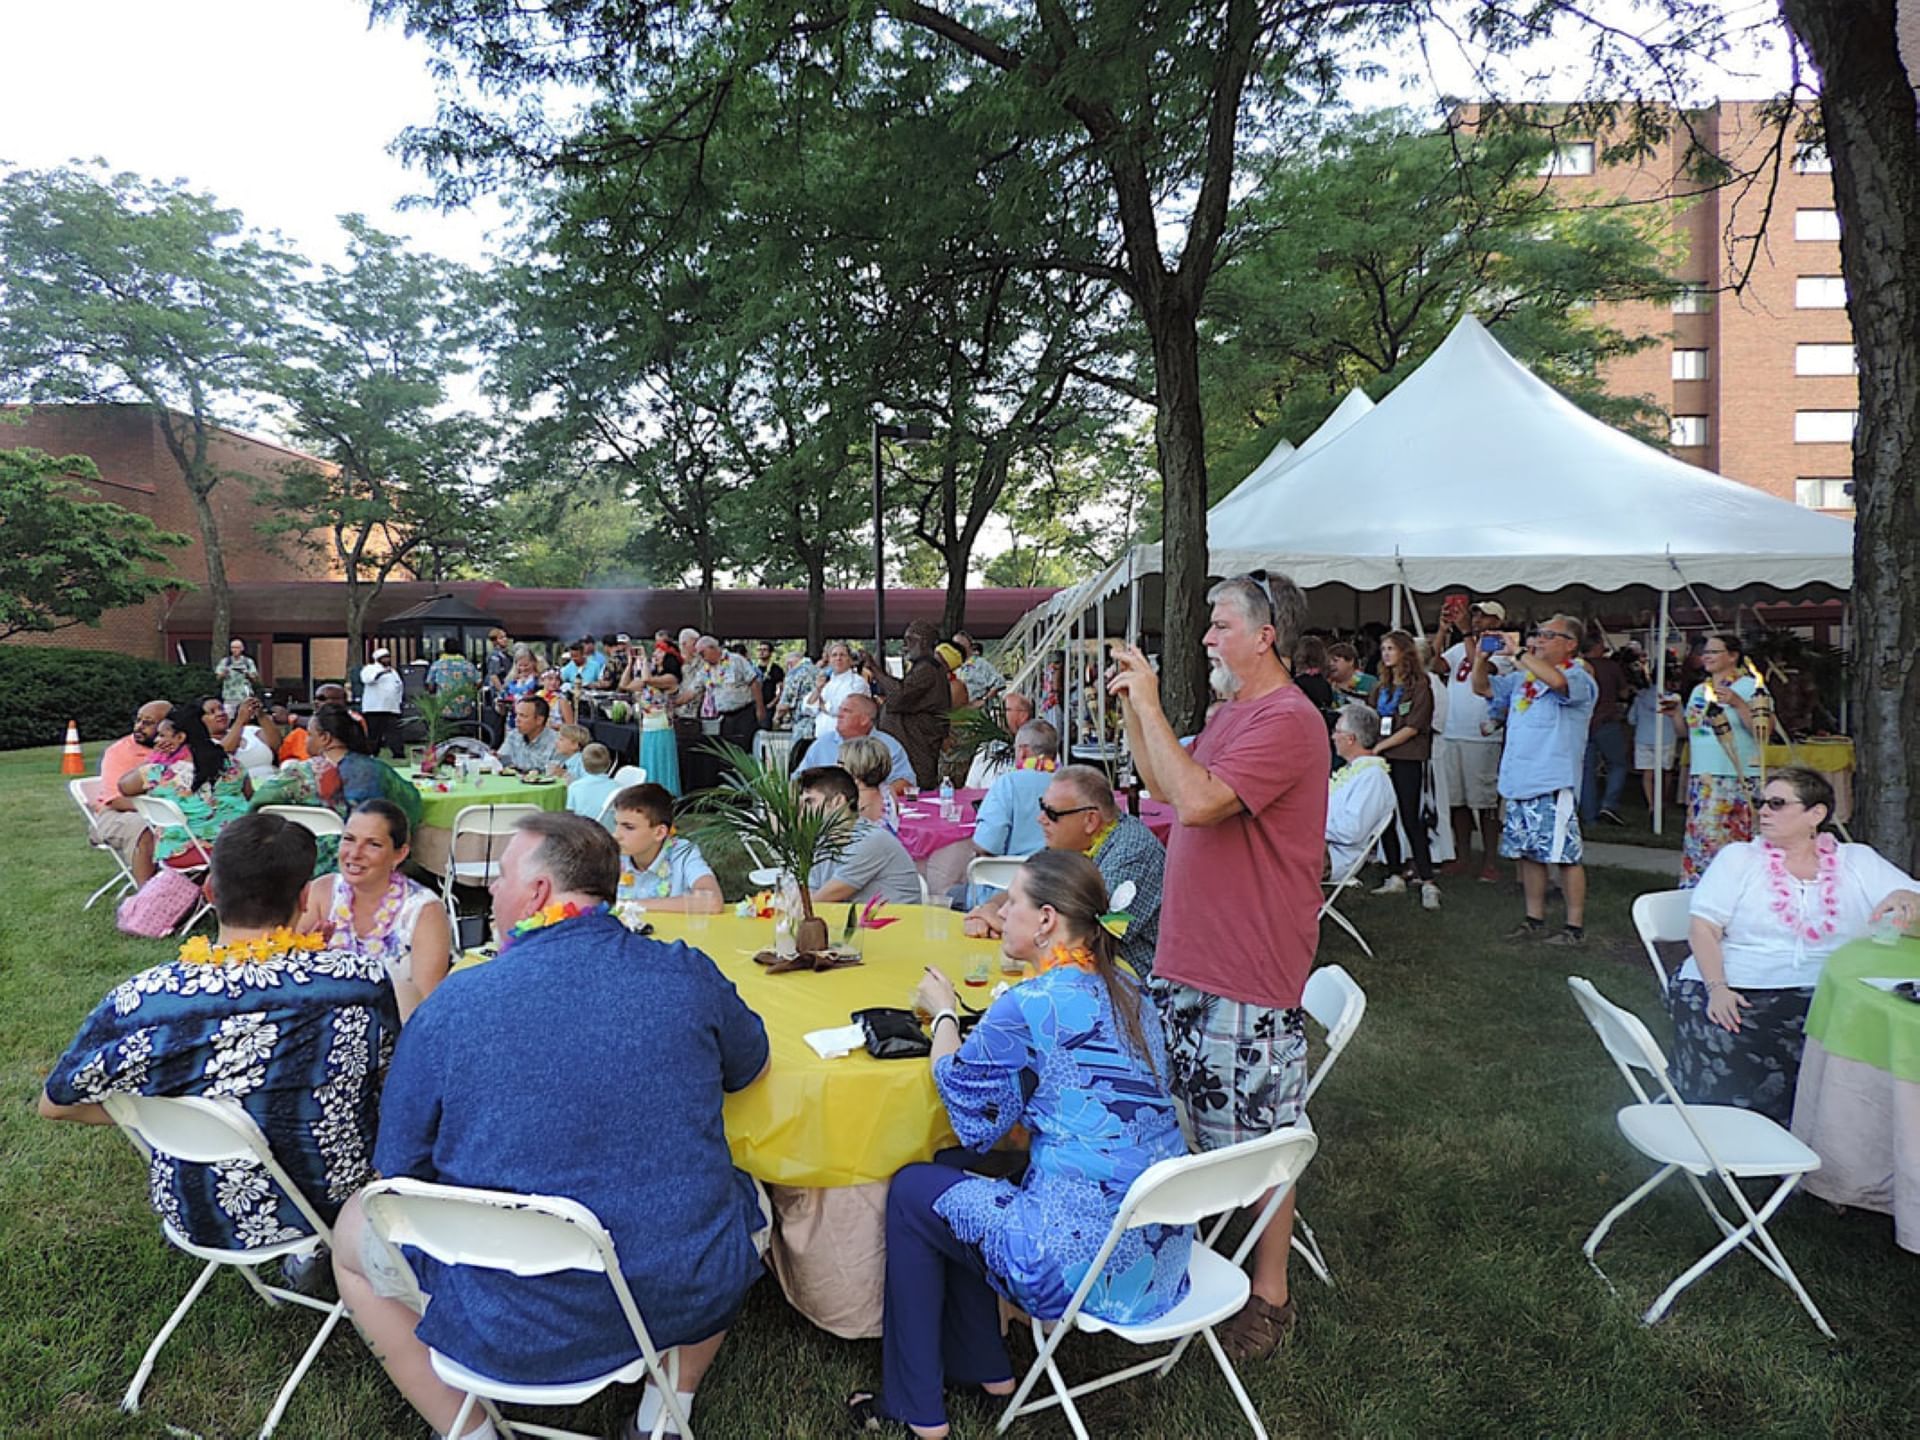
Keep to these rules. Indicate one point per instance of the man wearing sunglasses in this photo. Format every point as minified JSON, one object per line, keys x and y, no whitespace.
{"x":1078,"y":813}
{"x":1239,"y":920}
{"x":1548,"y":700}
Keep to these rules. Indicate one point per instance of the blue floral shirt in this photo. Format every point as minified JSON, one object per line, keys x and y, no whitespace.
{"x":301,"y":1041}
{"x":1050,"y":1055}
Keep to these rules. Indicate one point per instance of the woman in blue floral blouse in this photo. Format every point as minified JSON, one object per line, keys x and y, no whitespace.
{"x":1076,"y":1056}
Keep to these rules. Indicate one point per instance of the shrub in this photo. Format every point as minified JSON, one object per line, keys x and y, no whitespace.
{"x":45,"y":688}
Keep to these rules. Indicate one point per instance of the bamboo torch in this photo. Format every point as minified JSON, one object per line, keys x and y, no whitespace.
{"x":1761,"y":707}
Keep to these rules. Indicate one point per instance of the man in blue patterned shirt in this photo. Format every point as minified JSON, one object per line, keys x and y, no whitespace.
{"x":299,"y":1036}
{"x":1078,"y":813}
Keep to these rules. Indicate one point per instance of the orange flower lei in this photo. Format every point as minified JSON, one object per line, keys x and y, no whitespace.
{"x":202,"y":951}
{"x":1069,"y":957}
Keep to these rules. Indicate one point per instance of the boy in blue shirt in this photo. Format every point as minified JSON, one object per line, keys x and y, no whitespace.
{"x":659,"y":869}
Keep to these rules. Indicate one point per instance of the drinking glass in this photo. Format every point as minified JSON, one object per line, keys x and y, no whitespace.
{"x":936,"y":922}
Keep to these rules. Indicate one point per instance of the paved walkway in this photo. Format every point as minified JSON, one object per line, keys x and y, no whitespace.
{"x":1635,"y":857}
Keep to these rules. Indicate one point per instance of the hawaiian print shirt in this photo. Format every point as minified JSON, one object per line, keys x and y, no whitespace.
{"x":449,"y":676}
{"x":301,"y":1041}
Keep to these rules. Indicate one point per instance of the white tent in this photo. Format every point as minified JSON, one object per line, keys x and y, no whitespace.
{"x":1476,"y":474}
{"x":1284,"y":457}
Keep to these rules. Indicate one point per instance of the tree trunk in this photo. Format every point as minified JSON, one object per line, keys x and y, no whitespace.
{"x":954,"y":617}
{"x":1179,"y":437}
{"x":217,"y":589}
{"x":1869,"y":111}
{"x":359,"y":601}
{"x":816,"y":606}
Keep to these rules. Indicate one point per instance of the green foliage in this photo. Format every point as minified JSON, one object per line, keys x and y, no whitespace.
{"x":47,"y":687}
{"x":432,"y":708}
{"x":1364,"y":248}
{"x":978,"y":725}
{"x":66,"y":556}
{"x":756,"y":805}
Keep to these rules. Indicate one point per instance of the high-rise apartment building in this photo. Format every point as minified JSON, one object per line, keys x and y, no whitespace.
{"x":1756,"y":363}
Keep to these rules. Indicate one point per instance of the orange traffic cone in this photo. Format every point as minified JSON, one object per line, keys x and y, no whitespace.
{"x":72,"y":762}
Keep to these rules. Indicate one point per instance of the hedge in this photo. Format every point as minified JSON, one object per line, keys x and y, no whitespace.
{"x":45,"y":688}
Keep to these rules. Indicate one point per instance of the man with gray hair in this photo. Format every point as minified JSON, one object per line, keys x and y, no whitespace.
{"x":724,"y":690}
{"x":1548,"y":700}
{"x":1359,"y":794}
{"x":990,"y":762}
{"x":1009,"y":814}
{"x":1078,"y":813}
{"x":607,"y":1056}
{"x":858,"y":715}
{"x":1239,"y":924}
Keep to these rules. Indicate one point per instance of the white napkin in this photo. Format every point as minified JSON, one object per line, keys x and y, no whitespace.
{"x":841,"y":1040}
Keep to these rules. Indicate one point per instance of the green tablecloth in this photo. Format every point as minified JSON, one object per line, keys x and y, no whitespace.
{"x":1864,"y":1023}
{"x":440,"y":806}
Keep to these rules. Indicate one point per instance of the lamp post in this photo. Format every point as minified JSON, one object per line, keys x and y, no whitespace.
{"x":913,"y":433}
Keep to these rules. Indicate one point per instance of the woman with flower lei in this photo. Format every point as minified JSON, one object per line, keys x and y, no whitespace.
{"x":1723,"y":757}
{"x":1099,"y":1116}
{"x":372,"y":908}
{"x":1766,"y":915}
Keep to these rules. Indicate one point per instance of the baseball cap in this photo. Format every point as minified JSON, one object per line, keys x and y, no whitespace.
{"x":623,"y":639}
{"x":1491,"y":607}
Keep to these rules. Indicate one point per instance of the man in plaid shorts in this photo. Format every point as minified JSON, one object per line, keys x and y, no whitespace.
{"x":1240,"y":905}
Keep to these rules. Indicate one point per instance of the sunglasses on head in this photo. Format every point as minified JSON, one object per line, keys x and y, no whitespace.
{"x":1058,"y":815}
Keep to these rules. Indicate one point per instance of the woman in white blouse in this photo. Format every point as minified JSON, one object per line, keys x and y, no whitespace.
{"x":836,"y":683}
{"x":1766,"y":915}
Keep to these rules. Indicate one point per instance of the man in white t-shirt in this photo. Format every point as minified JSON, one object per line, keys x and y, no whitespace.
{"x":1471,"y":754}
{"x":382,"y":692}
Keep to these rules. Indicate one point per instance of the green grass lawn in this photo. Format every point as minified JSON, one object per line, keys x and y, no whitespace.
{"x":1468,"y":1142}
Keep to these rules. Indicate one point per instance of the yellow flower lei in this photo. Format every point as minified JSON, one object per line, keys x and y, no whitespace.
{"x":201,"y":951}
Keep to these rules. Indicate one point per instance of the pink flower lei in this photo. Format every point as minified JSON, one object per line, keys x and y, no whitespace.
{"x":1779,"y":883}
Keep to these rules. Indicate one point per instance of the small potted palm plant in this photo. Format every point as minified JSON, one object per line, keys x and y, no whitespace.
{"x":432,"y":710}
{"x":757,"y":806}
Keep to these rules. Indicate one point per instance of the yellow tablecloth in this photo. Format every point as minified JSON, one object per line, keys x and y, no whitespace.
{"x":821,"y":1123}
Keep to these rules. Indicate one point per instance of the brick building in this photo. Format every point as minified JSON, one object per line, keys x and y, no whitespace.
{"x":1756,"y":364}
{"x":138,"y":472}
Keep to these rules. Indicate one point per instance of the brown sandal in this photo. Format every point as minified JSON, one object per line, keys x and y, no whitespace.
{"x":1257,"y":1331}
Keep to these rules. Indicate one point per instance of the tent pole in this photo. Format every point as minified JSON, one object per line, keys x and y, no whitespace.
{"x":1099,"y":691}
{"x":1665,"y":722}
{"x":1396,"y":605}
{"x":1133,"y":602}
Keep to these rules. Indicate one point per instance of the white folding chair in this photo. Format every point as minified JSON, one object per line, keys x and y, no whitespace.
{"x":1697,"y":1140}
{"x":1336,"y":884}
{"x":773,"y":746}
{"x":317,"y":819}
{"x":122,"y":881}
{"x":216,"y":1132}
{"x":488,"y":824}
{"x":525,"y":1235}
{"x":160,"y":813}
{"x":1336,"y":1002}
{"x":1176,"y":1192}
{"x":1662,"y":915}
{"x":630,"y":775}
{"x":996,"y":871}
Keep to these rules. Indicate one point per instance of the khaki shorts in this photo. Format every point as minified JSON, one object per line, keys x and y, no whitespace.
{"x":1471,"y":771}
{"x":120,"y":831}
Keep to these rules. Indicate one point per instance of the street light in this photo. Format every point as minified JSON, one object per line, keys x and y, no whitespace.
{"x":914,"y":432}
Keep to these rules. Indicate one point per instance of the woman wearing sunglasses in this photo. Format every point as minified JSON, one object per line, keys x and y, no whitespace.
{"x":1766,"y":915}
{"x":1723,"y":758}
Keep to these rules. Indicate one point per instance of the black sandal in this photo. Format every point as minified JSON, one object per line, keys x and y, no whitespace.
{"x":864,"y":1417}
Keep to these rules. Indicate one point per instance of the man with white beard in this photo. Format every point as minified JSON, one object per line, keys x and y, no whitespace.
{"x":1239,"y":912}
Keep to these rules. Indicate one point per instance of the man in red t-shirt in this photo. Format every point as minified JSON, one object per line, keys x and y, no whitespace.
{"x":1239,"y":914}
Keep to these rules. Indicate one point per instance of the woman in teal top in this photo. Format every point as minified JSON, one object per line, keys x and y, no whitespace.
{"x":1723,"y":758}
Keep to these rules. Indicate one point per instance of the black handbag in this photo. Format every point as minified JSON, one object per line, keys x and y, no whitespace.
{"x":892,"y":1033}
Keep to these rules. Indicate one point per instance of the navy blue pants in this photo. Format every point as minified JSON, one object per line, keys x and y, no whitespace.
{"x":942,"y":1320}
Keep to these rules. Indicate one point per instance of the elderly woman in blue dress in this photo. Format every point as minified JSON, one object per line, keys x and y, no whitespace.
{"x":1766,"y":915}
{"x":1076,"y":1056}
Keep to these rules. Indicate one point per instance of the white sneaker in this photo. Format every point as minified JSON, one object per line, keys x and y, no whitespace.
{"x":1429,"y":896}
{"x":1393,"y":885}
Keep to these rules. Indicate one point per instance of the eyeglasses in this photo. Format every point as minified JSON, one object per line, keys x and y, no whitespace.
{"x":1555,"y":635}
{"x":1777,"y":803}
{"x":1056,"y":816}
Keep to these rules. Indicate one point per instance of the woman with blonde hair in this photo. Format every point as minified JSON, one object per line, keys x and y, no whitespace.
{"x":1077,"y":1057}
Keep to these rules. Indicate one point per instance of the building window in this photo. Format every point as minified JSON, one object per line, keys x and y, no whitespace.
{"x":1689,"y":430}
{"x":1689,"y":364}
{"x":1575,"y":158}
{"x":1816,"y":224}
{"x":1824,"y":360}
{"x":1692,"y":299}
{"x":1820,"y":292}
{"x":1827,"y":492}
{"x":1812,"y":160}
{"x":1824,"y":427}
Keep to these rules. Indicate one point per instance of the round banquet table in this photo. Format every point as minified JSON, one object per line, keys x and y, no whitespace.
{"x":941,"y":849}
{"x":826,"y":1135}
{"x":1858,"y":1101}
{"x":439,"y":808}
